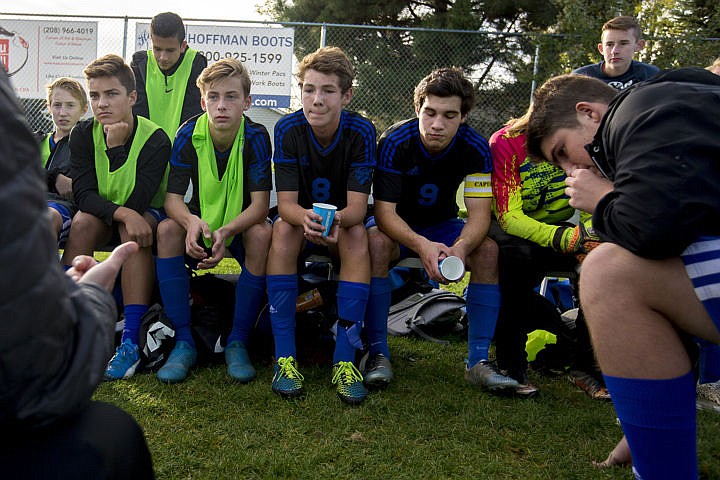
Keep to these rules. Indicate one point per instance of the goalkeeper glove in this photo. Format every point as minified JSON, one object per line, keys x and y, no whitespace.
{"x":579,"y":240}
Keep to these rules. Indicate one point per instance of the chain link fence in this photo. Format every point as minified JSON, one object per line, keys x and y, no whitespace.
{"x":390,"y":61}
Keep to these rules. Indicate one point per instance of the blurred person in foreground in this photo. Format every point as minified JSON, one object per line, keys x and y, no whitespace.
{"x":56,"y":334}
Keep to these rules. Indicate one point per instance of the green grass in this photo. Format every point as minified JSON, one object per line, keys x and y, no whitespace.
{"x":428,"y":424}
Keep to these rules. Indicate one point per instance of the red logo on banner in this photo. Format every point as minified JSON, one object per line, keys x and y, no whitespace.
{"x":5,"y":53}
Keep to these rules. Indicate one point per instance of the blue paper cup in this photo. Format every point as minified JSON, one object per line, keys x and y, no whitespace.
{"x":327,"y":212}
{"x":452,"y":268}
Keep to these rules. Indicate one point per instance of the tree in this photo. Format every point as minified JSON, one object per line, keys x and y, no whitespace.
{"x":678,"y":32}
{"x":390,"y":62}
{"x":494,"y":41}
{"x":580,"y":23}
{"x":683,"y":32}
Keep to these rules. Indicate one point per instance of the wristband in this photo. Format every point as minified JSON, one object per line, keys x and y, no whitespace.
{"x":557,"y":240}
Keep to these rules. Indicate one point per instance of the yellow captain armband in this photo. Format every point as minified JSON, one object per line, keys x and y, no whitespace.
{"x":478,"y":185}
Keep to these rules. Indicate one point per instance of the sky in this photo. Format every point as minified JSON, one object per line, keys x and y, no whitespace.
{"x":224,"y":9}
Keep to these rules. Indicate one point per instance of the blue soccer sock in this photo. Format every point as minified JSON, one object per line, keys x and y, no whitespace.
{"x":344,"y":351}
{"x":175,"y":291}
{"x":709,"y":364}
{"x":376,"y":314}
{"x":249,"y":293}
{"x":483,"y":305}
{"x":117,"y":292}
{"x":282,"y":296}
{"x":352,"y":299}
{"x":133,"y":315}
{"x":658,"y":418}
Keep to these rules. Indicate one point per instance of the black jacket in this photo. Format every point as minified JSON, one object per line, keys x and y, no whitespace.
{"x":55,"y":336}
{"x":659,"y":143}
{"x":59,"y":161}
{"x":151,"y":163}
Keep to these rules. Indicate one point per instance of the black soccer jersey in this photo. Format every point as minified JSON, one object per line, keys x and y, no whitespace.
{"x":423,"y":185}
{"x":256,"y":162}
{"x":324,"y":174}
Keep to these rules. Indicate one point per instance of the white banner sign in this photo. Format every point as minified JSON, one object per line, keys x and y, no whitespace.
{"x":34,"y":53}
{"x":266,"y":52}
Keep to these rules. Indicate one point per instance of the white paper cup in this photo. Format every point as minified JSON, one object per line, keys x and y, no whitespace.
{"x":326,"y":211}
{"x":452,"y":268}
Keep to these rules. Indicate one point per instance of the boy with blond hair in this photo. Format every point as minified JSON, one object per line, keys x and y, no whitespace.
{"x":226,"y":156}
{"x":67,"y":102}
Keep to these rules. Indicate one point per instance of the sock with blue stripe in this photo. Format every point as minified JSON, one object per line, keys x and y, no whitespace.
{"x":249,"y":293}
{"x":483,"y":305}
{"x":352,"y":299}
{"x":133,"y":315}
{"x":282,"y":296}
{"x":175,"y":292}
{"x":658,"y":418}
{"x":376,"y":314}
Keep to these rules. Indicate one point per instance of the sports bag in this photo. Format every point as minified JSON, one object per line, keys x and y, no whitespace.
{"x":156,"y":338}
{"x":211,"y":313}
{"x":436,"y":312}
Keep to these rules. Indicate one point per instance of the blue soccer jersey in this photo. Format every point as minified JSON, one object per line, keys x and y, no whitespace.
{"x":324,"y":174}
{"x":257,"y":152}
{"x":422,"y":185}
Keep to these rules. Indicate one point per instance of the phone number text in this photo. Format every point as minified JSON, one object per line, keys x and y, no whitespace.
{"x":245,"y":56}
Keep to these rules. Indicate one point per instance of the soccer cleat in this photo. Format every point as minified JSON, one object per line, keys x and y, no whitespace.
{"x":526,"y":390}
{"x":238,"y":362}
{"x":349,"y":383}
{"x":378,"y":371}
{"x":124,"y":363}
{"x":181,"y":359}
{"x":287,"y":380}
{"x":483,"y":374}
{"x":708,"y":396}
{"x":589,"y":385}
